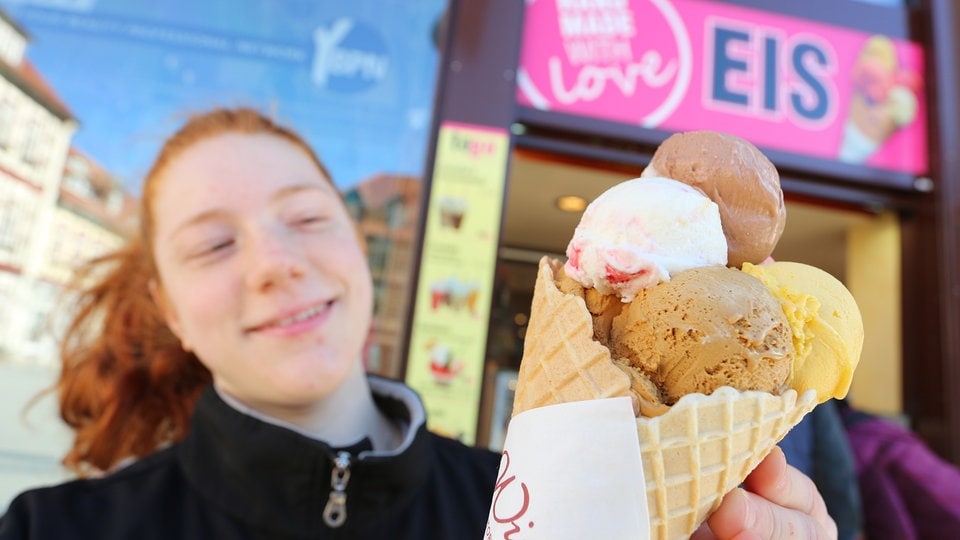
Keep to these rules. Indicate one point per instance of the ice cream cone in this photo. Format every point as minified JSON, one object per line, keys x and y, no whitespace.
{"x":705,"y":446}
{"x":561,"y":361}
{"x":692,"y":455}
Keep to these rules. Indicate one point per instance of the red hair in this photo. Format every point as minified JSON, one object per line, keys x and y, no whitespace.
{"x":127,"y":386}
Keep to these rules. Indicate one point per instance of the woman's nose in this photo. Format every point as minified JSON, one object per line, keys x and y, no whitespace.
{"x":273,"y":261}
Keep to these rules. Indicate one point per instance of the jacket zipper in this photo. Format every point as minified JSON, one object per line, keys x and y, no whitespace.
{"x":335,"y":513}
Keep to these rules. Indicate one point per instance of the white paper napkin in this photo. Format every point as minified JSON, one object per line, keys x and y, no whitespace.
{"x":573,"y":471}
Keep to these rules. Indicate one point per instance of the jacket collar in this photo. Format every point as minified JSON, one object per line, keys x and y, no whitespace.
{"x":276,"y":479}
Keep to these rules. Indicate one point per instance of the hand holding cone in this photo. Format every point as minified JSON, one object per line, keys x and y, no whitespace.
{"x":695,"y":453}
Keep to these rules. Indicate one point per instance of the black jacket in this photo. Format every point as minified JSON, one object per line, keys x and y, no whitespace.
{"x":236,"y":477}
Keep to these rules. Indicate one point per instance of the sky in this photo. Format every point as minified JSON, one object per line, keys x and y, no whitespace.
{"x":355,"y":77}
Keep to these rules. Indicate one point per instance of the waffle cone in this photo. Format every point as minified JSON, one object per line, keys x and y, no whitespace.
{"x":695,"y":453}
{"x":705,"y":446}
{"x":561,"y":361}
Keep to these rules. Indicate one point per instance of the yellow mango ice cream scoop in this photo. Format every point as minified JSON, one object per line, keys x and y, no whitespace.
{"x":826,"y":324}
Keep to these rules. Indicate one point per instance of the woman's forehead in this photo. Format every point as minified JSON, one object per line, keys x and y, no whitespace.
{"x":235,"y":167}
{"x":237,"y":158}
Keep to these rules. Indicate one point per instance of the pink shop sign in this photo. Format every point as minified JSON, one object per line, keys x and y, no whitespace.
{"x":784,"y":83}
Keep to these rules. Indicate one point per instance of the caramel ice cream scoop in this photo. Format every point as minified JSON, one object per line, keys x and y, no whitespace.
{"x":739,"y":178}
{"x":707,"y":327}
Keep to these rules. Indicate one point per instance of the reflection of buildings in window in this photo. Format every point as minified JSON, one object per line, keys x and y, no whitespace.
{"x":385,"y":207}
{"x":35,"y":131}
{"x":84,"y":224}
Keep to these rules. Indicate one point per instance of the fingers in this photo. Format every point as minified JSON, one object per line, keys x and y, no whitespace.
{"x":781,"y":503}
{"x":786,"y":486}
{"x":703,"y":533}
{"x":747,"y":516}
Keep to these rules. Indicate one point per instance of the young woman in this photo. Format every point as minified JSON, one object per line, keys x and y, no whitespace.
{"x":220,"y":352}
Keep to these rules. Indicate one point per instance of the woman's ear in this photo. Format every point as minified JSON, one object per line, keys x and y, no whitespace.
{"x":167,"y":312}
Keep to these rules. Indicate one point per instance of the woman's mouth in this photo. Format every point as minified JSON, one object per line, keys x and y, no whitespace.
{"x":297,"y":323}
{"x":302,"y":316}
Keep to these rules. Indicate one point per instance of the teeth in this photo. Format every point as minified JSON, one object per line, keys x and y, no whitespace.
{"x":302,"y":316}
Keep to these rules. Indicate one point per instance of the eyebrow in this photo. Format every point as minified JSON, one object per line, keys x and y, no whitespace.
{"x":282,"y":193}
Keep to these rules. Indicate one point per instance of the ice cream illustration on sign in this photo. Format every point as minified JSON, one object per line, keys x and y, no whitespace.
{"x":883,"y":100}
{"x":665,"y":298}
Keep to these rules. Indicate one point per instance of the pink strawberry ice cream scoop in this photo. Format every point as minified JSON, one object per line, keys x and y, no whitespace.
{"x":640,"y":232}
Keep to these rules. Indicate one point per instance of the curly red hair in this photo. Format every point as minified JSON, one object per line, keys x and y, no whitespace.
{"x":127,"y":387}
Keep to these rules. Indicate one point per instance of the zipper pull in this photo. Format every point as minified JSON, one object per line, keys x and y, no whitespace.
{"x":335,"y":513}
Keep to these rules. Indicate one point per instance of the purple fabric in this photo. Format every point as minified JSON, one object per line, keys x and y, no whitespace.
{"x":907,"y":491}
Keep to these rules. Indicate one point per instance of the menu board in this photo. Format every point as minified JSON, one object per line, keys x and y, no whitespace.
{"x":451,"y":312}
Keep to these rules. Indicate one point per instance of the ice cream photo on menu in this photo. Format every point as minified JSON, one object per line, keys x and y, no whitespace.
{"x":669,"y":303}
{"x":452,"y":210}
{"x":883,"y":100}
{"x":444,"y":365}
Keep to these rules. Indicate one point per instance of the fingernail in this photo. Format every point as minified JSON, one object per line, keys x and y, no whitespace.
{"x":781,"y":467}
{"x":743,"y":501}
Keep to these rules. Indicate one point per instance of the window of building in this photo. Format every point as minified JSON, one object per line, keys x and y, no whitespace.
{"x":397,"y":213}
{"x":8,"y":225}
{"x":34,"y":148}
{"x":59,"y":254}
{"x":8,"y":115}
{"x":378,"y":250}
{"x":354,"y":204}
{"x":80,"y":242}
{"x":114,"y":202}
{"x":77,"y":176}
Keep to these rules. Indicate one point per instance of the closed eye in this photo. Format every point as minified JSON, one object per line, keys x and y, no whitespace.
{"x":220,"y":246}
{"x":212,"y":249}
{"x":310,"y":220}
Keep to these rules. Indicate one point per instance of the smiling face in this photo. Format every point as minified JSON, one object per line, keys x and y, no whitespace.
{"x":261,"y":273}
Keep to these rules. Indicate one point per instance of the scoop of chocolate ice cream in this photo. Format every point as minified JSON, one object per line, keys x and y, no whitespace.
{"x":736,"y":176}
